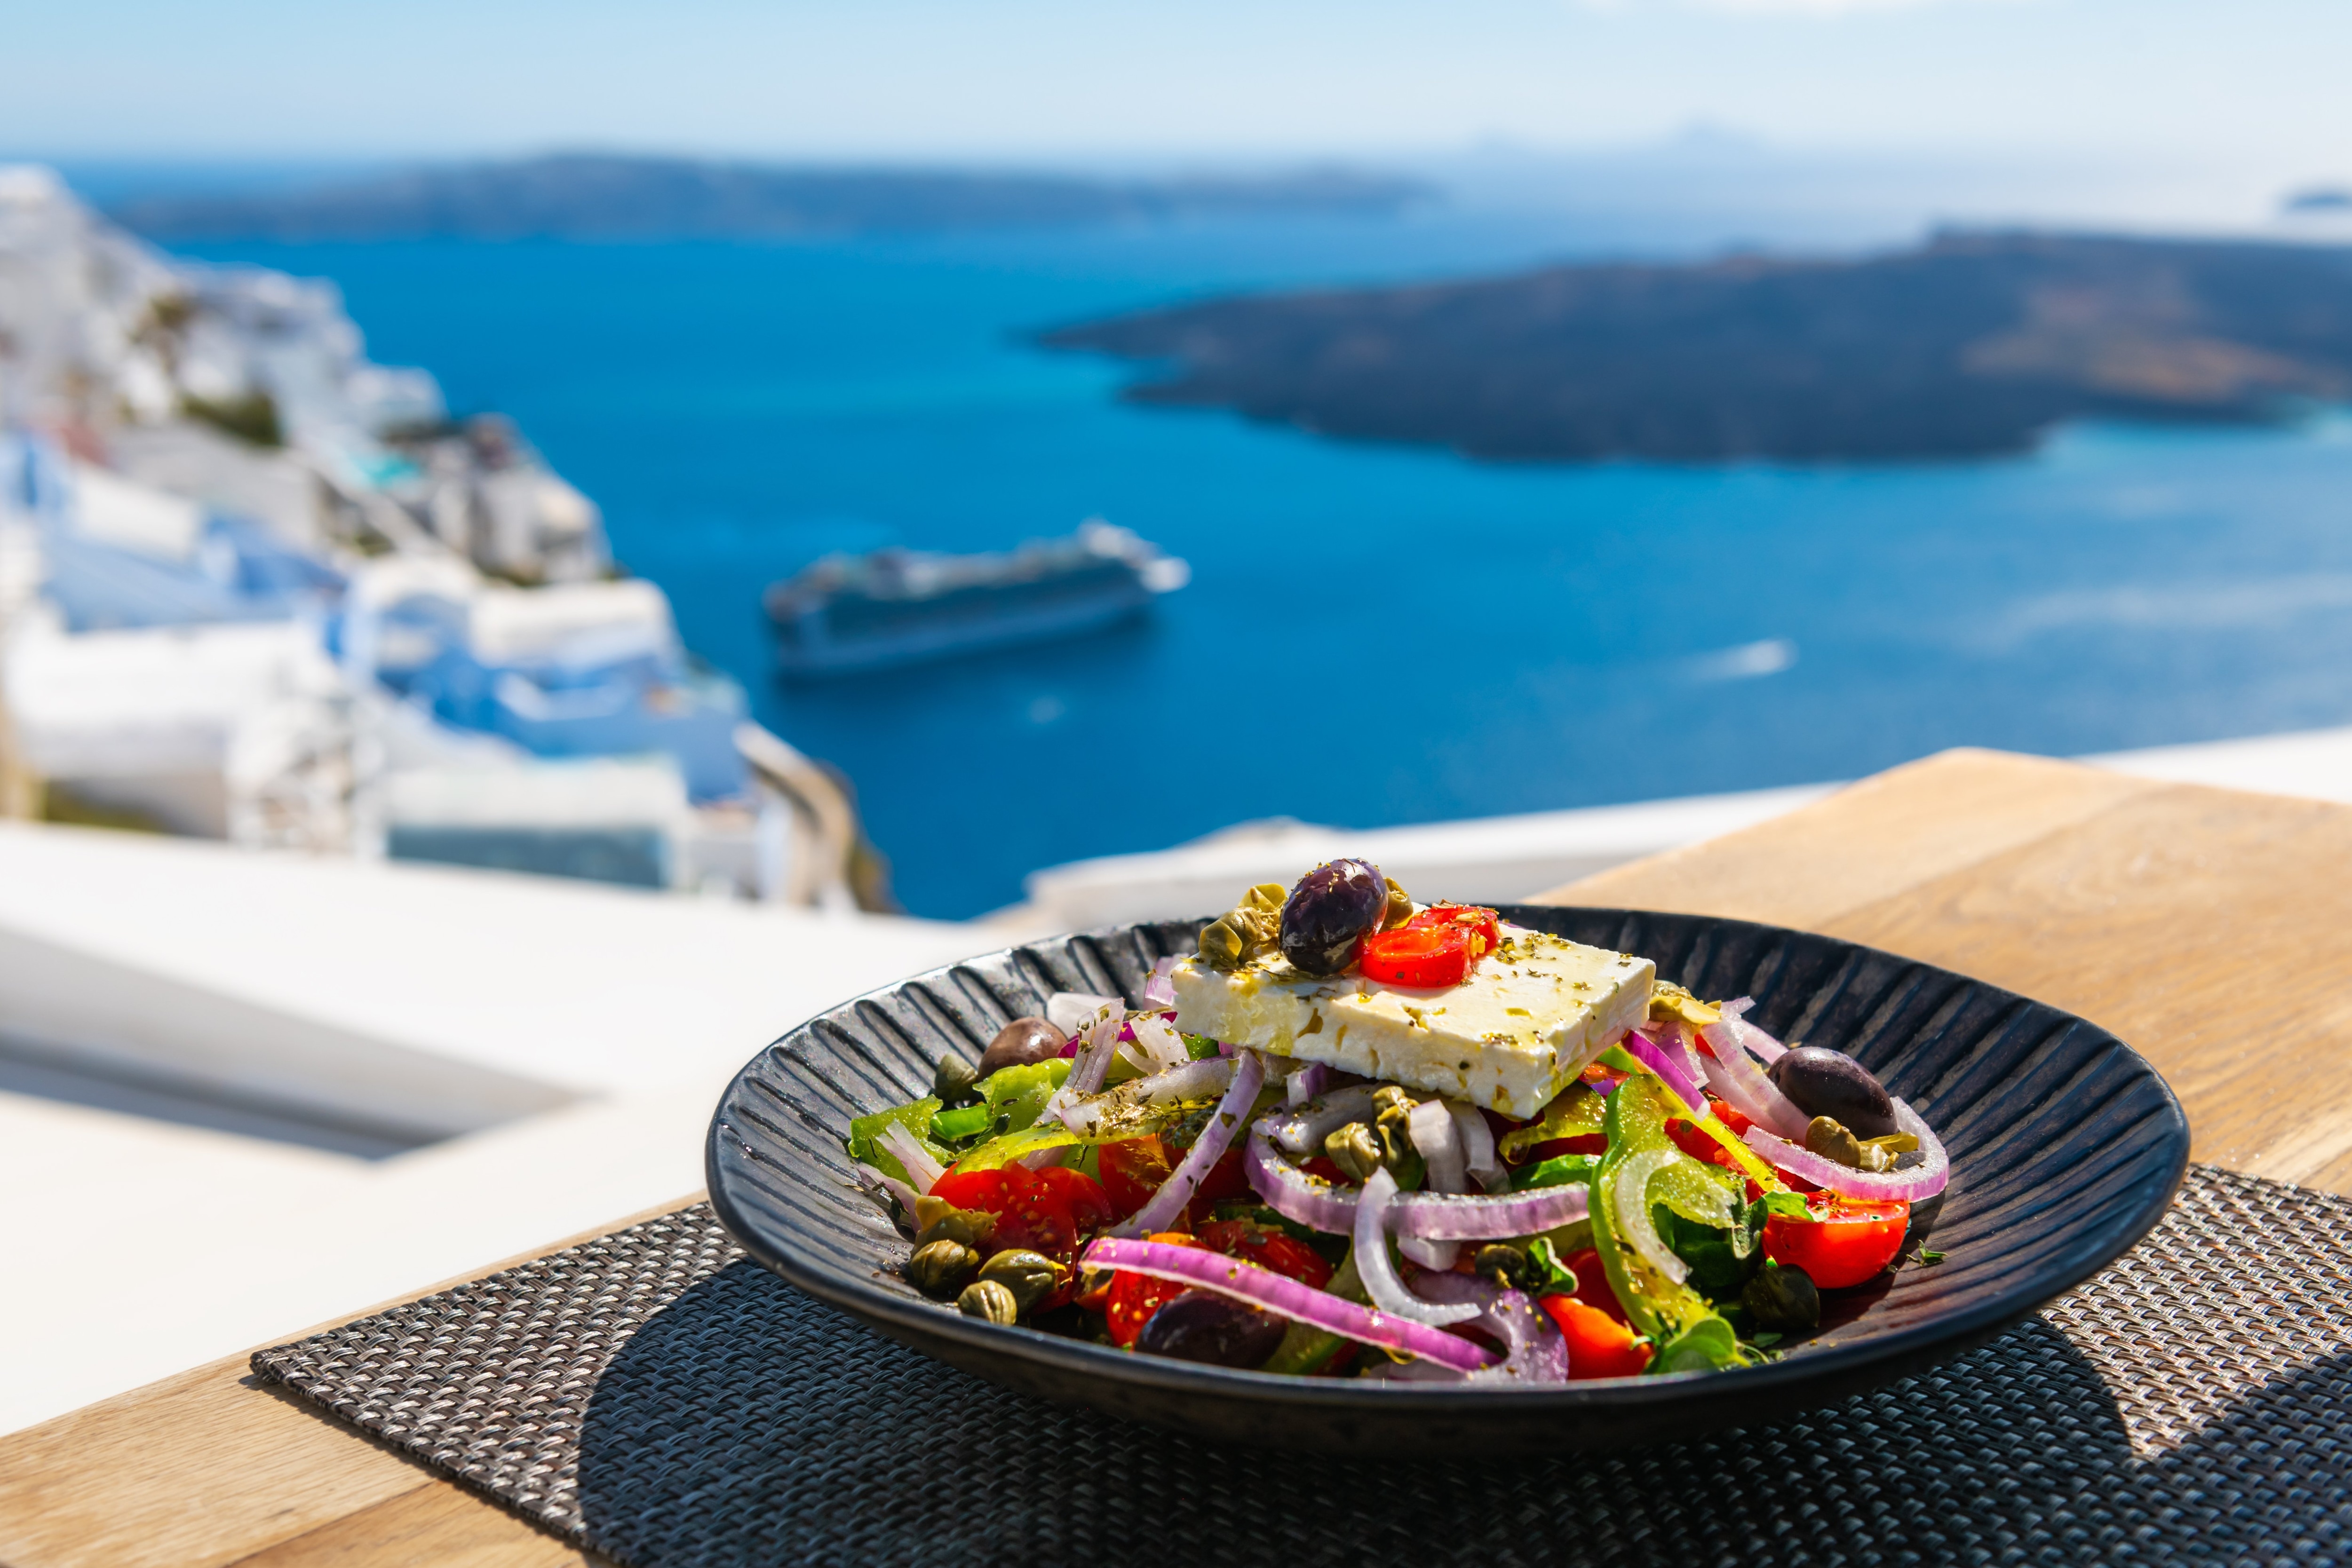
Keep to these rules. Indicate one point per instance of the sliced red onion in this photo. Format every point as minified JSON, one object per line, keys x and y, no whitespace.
{"x":1439,"y":1255}
{"x":1306,"y":1083}
{"x":1766,"y":1049}
{"x":1193,"y":1080}
{"x":1742,"y":1085}
{"x":1095,"y":1047}
{"x":1285,"y":1296}
{"x":1302,"y":1129}
{"x":923,"y":1172}
{"x":1155,"y":1046}
{"x":1073,"y":1011}
{"x":1439,"y":1217}
{"x":1378,"y":1274}
{"x":1922,"y":1181}
{"x":1430,"y":1127}
{"x":1646,"y":1051}
{"x":875,"y":1180}
{"x":1630,"y":1206}
{"x":1160,"y":991}
{"x":1216,"y":1137}
{"x":1537,"y":1351}
{"x":1477,"y":1140}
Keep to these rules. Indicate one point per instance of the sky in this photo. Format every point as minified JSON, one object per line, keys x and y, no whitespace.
{"x":2254,"y":83}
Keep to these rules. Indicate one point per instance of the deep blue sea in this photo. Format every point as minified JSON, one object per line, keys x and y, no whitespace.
{"x":1372,"y":635}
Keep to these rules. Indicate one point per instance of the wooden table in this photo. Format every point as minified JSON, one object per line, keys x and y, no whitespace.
{"x":2210,"y":929}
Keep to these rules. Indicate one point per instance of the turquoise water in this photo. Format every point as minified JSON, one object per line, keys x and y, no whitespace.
{"x":1372,"y":635}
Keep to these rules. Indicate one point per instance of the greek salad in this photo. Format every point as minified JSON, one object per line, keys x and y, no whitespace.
{"x":1352,"y":1135}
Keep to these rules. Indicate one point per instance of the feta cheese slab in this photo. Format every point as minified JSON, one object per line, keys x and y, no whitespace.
{"x":1532,"y":1016}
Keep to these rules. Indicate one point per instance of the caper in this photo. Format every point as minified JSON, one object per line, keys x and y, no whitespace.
{"x":1245,"y":933}
{"x":1390,"y":1107}
{"x":1030,"y":1276}
{"x":1505,"y":1264}
{"x":1399,"y":909}
{"x":1782,"y":1298}
{"x":936,"y":1219}
{"x":987,"y":1301}
{"x":938,"y":1269}
{"x":1829,"y":1138}
{"x":1021,"y":1043}
{"x":1354,"y":1150}
{"x":952,"y":1080}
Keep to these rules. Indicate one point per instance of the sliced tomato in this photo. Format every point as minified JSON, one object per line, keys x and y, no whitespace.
{"x":1227,"y":1180}
{"x":979,"y":1191}
{"x":1320,"y":1166}
{"x":1598,"y":1345}
{"x":1846,"y":1242}
{"x":1044,"y":1211}
{"x":1479,"y":921}
{"x":1593,"y":1287}
{"x":1089,"y":1205}
{"x":1424,"y":955}
{"x":1698,"y":1145}
{"x":1135,"y":1297}
{"x":1267,"y":1248}
{"x":1132,"y":1170}
{"x":1730,"y":1116}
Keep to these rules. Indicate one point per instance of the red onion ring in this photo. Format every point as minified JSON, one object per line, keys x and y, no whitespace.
{"x":1374,"y":1268}
{"x":1306,"y":1083}
{"x":1302,"y":1128}
{"x":1160,"y":991}
{"x":1437,"y":1216}
{"x":923,"y":1172}
{"x":1216,"y":1137}
{"x":1742,"y":1085}
{"x":1645,"y":1049}
{"x":1286,"y":1297}
{"x":1910,"y":1186}
{"x":1539,"y":1353}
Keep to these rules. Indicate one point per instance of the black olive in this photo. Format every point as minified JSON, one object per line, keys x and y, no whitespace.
{"x":1782,"y":1298}
{"x":1200,"y":1325}
{"x":1020,"y":1042}
{"x":1329,"y":911}
{"x":1825,"y":1082}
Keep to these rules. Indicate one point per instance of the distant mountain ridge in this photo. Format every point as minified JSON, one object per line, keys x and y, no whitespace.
{"x":1971,"y":344}
{"x":601,"y":196}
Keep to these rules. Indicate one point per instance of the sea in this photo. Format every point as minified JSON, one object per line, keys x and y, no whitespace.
{"x":1372,"y":635}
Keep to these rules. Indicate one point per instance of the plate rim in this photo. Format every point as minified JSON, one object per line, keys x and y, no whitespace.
{"x":1843,"y":1367}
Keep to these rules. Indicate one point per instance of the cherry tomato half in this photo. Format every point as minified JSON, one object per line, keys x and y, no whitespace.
{"x":1132,"y":1170}
{"x":1418,"y":956}
{"x":1089,"y":1205}
{"x":1268,"y":1249}
{"x":1135,"y":1297}
{"x":1481,"y":922}
{"x":1847,"y":1241}
{"x":1227,"y":1180}
{"x":1593,"y":1287}
{"x":1598,"y":1345}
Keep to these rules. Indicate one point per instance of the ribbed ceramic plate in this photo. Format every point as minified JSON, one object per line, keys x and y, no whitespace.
{"x":2065,"y":1147}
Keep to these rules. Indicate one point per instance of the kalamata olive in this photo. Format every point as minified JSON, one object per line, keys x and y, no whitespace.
{"x":1825,"y":1082}
{"x":1200,"y":1325}
{"x":1020,"y":1042}
{"x":1329,"y":911}
{"x":1782,"y":1298}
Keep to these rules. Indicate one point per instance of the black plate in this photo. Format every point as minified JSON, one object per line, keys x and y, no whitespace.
{"x":2065,"y":1147}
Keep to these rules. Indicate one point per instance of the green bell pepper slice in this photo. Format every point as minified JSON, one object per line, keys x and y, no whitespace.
{"x":1674,"y":1316}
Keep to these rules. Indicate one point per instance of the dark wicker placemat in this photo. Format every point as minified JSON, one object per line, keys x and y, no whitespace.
{"x":657,"y":1396}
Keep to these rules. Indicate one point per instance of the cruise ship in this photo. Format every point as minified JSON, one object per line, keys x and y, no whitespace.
{"x":894,"y":607}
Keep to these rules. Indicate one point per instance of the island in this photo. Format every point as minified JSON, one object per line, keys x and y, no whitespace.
{"x":1968,"y":344}
{"x":607,"y":196}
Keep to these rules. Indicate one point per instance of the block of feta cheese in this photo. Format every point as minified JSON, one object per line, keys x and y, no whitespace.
{"x":1531,"y":1016}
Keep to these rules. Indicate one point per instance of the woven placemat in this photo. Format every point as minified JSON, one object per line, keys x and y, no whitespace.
{"x":657,"y":1396}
